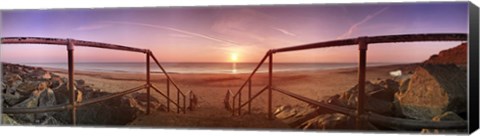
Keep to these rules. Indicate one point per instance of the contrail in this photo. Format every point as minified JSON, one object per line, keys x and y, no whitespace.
{"x":175,"y":30}
{"x":284,"y":31}
{"x":364,"y":20}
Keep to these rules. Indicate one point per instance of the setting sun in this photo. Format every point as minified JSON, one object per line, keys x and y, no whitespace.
{"x":234,"y":57}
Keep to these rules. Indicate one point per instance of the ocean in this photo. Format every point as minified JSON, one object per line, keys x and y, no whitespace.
{"x":228,"y":68}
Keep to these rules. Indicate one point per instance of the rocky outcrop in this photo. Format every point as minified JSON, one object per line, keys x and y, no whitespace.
{"x":379,"y":96}
{"x":447,"y":116}
{"x":456,"y":55}
{"x":433,"y":90}
{"x":329,"y":121}
{"x":31,"y":87}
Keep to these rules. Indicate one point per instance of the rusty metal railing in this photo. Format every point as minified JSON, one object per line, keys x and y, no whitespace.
{"x":359,"y":113}
{"x":73,"y":105}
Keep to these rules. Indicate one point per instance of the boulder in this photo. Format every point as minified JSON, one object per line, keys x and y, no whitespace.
{"x":56,"y":82}
{"x":433,"y":90}
{"x":11,"y":79}
{"x":27,"y":87}
{"x":447,"y":116}
{"x":11,"y":98}
{"x":30,"y":87}
{"x":7,"y":120}
{"x":139,"y":101}
{"x":285,"y":112}
{"x":379,"y":97}
{"x":329,"y":121}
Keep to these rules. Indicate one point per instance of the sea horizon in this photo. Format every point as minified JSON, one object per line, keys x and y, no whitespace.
{"x":203,"y":67}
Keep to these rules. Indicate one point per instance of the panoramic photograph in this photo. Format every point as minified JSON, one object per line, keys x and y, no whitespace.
{"x":380,"y":67}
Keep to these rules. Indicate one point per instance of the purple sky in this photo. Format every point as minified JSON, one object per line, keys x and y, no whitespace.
{"x":212,"y":34}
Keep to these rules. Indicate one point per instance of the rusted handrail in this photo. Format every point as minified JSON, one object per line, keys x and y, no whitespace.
{"x":166,"y":74}
{"x":70,"y":44}
{"x":379,"y":39}
{"x":108,"y":97}
{"x":254,"y":96}
{"x":381,"y":119}
{"x":36,"y":110}
{"x":168,"y":98}
{"x":247,"y":81}
{"x":362,"y":43}
{"x":169,"y":80}
{"x":58,"y":41}
{"x":61,"y":107}
{"x":253,"y":73}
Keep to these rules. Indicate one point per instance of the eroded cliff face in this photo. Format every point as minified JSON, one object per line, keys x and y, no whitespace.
{"x":456,"y":55}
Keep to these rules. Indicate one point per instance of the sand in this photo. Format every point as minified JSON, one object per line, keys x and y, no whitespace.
{"x":211,"y":90}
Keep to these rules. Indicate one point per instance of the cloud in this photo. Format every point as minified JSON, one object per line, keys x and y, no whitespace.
{"x":92,"y":27}
{"x":227,"y":43}
{"x":284,"y":31}
{"x":252,"y":28}
{"x":364,"y":20}
{"x":179,"y":35}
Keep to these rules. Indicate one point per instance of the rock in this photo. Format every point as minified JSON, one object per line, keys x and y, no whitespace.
{"x":385,"y":92}
{"x":456,"y":55}
{"x":7,"y":120}
{"x":139,"y":101}
{"x":433,"y":90}
{"x":329,"y":121}
{"x":404,"y":81}
{"x":291,"y":114}
{"x":30,"y":87}
{"x":379,"y":97}
{"x":285,"y":112}
{"x":142,"y":97}
{"x":11,"y":98}
{"x":31,"y":102}
{"x":45,"y":99}
{"x":27,"y":87}
{"x":80,"y":82}
{"x":3,"y":88}
{"x":447,"y":116}
{"x":12,"y":79}
{"x":49,"y":120}
{"x":47,"y":75}
{"x":62,"y":94}
{"x":56,"y":82}
{"x":112,"y":112}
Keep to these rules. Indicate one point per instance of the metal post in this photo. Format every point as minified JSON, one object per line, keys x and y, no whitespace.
{"x":190,"y":97}
{"x":270,"y":67}
{"x":148,"y":82}
{"x":184,"y":105}
{"x":168,"y":94}
{"x":363,"y":45}
{"x":240,"y":103}
{"x":249,"y":95}
{"x":178,"y":100}
{"x":233,"y":105}
{"x":73,"y":97}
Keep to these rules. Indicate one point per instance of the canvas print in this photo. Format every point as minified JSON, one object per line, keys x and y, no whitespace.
{"x":379,"y":67}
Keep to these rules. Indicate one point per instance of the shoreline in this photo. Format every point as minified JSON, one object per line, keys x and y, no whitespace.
{"x":102,"y":74}
{"x":212,"y":88}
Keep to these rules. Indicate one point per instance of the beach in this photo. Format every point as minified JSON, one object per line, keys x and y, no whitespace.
{"x":212,"y":88}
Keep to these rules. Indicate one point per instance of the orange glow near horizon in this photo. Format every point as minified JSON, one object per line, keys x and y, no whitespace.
{"x":234,"y":57}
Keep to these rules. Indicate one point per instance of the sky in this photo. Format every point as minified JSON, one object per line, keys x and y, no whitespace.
{"x":228,"y":33}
